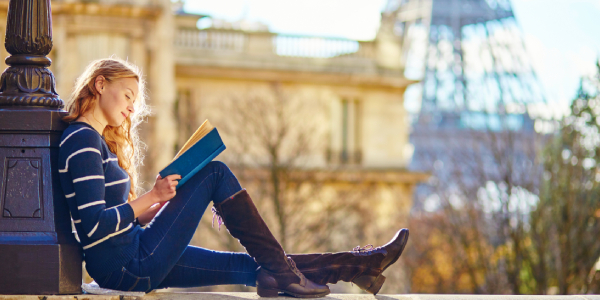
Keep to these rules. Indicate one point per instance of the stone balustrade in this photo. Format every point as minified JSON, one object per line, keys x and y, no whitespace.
{"x":267,"y":43}
{"x":228,"y":48}
{"x":219,"y":40}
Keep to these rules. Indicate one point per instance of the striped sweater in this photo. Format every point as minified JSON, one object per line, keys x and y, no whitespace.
{"x":96,"y":189}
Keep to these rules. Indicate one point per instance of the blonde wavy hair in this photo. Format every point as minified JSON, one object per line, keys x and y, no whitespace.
{"x":122,"y":140}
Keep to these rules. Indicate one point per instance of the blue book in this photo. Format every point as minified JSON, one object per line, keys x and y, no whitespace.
{"x":200,"y":149}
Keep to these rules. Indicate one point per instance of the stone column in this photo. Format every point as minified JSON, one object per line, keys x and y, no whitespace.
{"x":161,"y":137}
{"x":38,"y":253}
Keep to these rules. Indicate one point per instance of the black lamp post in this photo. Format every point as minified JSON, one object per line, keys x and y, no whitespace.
{"x":38,"y":253}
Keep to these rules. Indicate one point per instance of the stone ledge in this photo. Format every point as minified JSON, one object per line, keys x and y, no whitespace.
{"x":244,"y":296}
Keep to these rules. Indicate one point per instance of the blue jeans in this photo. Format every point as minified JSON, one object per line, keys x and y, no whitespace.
{"x":165,"y":258}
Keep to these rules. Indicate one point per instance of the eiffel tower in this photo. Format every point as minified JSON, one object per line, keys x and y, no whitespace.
{"x":475,"y":71}
{"x":470,"y":55}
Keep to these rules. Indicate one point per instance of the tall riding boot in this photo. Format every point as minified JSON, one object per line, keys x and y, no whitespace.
{"x":363,"y":266}
{"x":277,"y":272}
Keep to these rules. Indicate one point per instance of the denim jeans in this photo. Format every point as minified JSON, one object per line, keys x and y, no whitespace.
{"x":165,"y":258}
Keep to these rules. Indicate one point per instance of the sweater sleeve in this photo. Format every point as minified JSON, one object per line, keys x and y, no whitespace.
{"x":85,"y":165}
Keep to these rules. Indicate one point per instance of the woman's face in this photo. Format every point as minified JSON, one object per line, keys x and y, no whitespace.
{"x":116,"y":99}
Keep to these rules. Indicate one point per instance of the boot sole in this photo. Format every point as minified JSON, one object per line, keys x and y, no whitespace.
{"x":270,"y":293}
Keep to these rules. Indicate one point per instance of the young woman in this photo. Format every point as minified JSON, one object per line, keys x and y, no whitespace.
{"x":98,"y":160}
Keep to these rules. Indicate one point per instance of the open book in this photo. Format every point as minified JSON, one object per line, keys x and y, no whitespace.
{"x":200,"y":149}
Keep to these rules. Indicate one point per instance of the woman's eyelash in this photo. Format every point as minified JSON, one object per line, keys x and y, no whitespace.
{"x":127,"y":97}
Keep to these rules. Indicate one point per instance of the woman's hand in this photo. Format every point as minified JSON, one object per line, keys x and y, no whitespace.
{"x":149,"y":215}
{"x":164,"y":188}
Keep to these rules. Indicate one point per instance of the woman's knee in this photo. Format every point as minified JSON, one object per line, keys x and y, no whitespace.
{"x":221,"y":168}
{"x":218,"y":165}
{"x":226,"y":184}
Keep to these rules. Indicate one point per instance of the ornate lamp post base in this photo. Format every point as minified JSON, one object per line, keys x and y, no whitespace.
{"x":38,"y":252}
{"x":40,"y":269}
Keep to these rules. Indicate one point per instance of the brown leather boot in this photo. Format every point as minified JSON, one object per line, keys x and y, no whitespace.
{"x":363,"y":266}
{"x":277,"y":272}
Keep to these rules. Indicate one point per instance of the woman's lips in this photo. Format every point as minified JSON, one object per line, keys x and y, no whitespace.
{"x":124,"y":115}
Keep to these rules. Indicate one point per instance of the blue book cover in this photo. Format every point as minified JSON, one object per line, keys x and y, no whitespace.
{"x":198,"y":155}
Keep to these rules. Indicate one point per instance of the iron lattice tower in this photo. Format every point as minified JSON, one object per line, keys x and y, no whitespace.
{"x":477,"y":80}
{"x":470,"y":55}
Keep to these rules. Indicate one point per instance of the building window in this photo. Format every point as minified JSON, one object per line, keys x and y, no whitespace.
{"x":185,"y":115}
{"x":347,"y":148}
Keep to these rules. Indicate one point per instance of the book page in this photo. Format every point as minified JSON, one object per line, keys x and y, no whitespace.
{"x":203,"y":130}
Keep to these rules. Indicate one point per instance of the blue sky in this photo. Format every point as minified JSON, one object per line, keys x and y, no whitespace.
{"x":563,"y":36}
{"x":354,"y":19}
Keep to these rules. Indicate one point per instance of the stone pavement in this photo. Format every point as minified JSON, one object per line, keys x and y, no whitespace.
{"x":245,"y":296}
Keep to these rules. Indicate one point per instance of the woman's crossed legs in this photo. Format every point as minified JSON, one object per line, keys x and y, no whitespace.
{"x":203,"y":267}
{"x":165,"y":258}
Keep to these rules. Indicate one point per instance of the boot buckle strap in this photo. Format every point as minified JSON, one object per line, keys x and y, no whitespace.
{"x":368,"y":250}
{"x":217,"y":216}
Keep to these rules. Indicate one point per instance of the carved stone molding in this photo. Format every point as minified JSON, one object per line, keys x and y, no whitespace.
{"x":28,"y":81}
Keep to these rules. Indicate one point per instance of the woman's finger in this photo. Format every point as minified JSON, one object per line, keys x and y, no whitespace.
{"x":174,"y":177}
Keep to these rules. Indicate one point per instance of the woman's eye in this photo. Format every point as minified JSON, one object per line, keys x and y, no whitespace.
{"x":127,"y":97}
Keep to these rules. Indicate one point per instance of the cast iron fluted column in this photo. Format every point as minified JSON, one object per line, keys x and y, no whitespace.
{"x":38,"y":253}
{"x":28,"y":81}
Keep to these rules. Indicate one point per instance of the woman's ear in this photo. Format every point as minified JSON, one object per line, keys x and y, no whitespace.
{"x":99,"y":84}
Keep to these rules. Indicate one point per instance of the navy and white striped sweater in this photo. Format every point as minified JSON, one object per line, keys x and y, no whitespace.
{"x":96,"y":189}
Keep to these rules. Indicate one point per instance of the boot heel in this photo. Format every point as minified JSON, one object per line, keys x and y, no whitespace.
{"x":267,"y":292}
{"x":376,"y":286}
{"x":370,"y":283}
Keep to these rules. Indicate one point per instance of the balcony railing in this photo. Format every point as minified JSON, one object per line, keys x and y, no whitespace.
{"x":272,"y":44}
{"x":300,"y":46}
{"x":211,"y":40}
